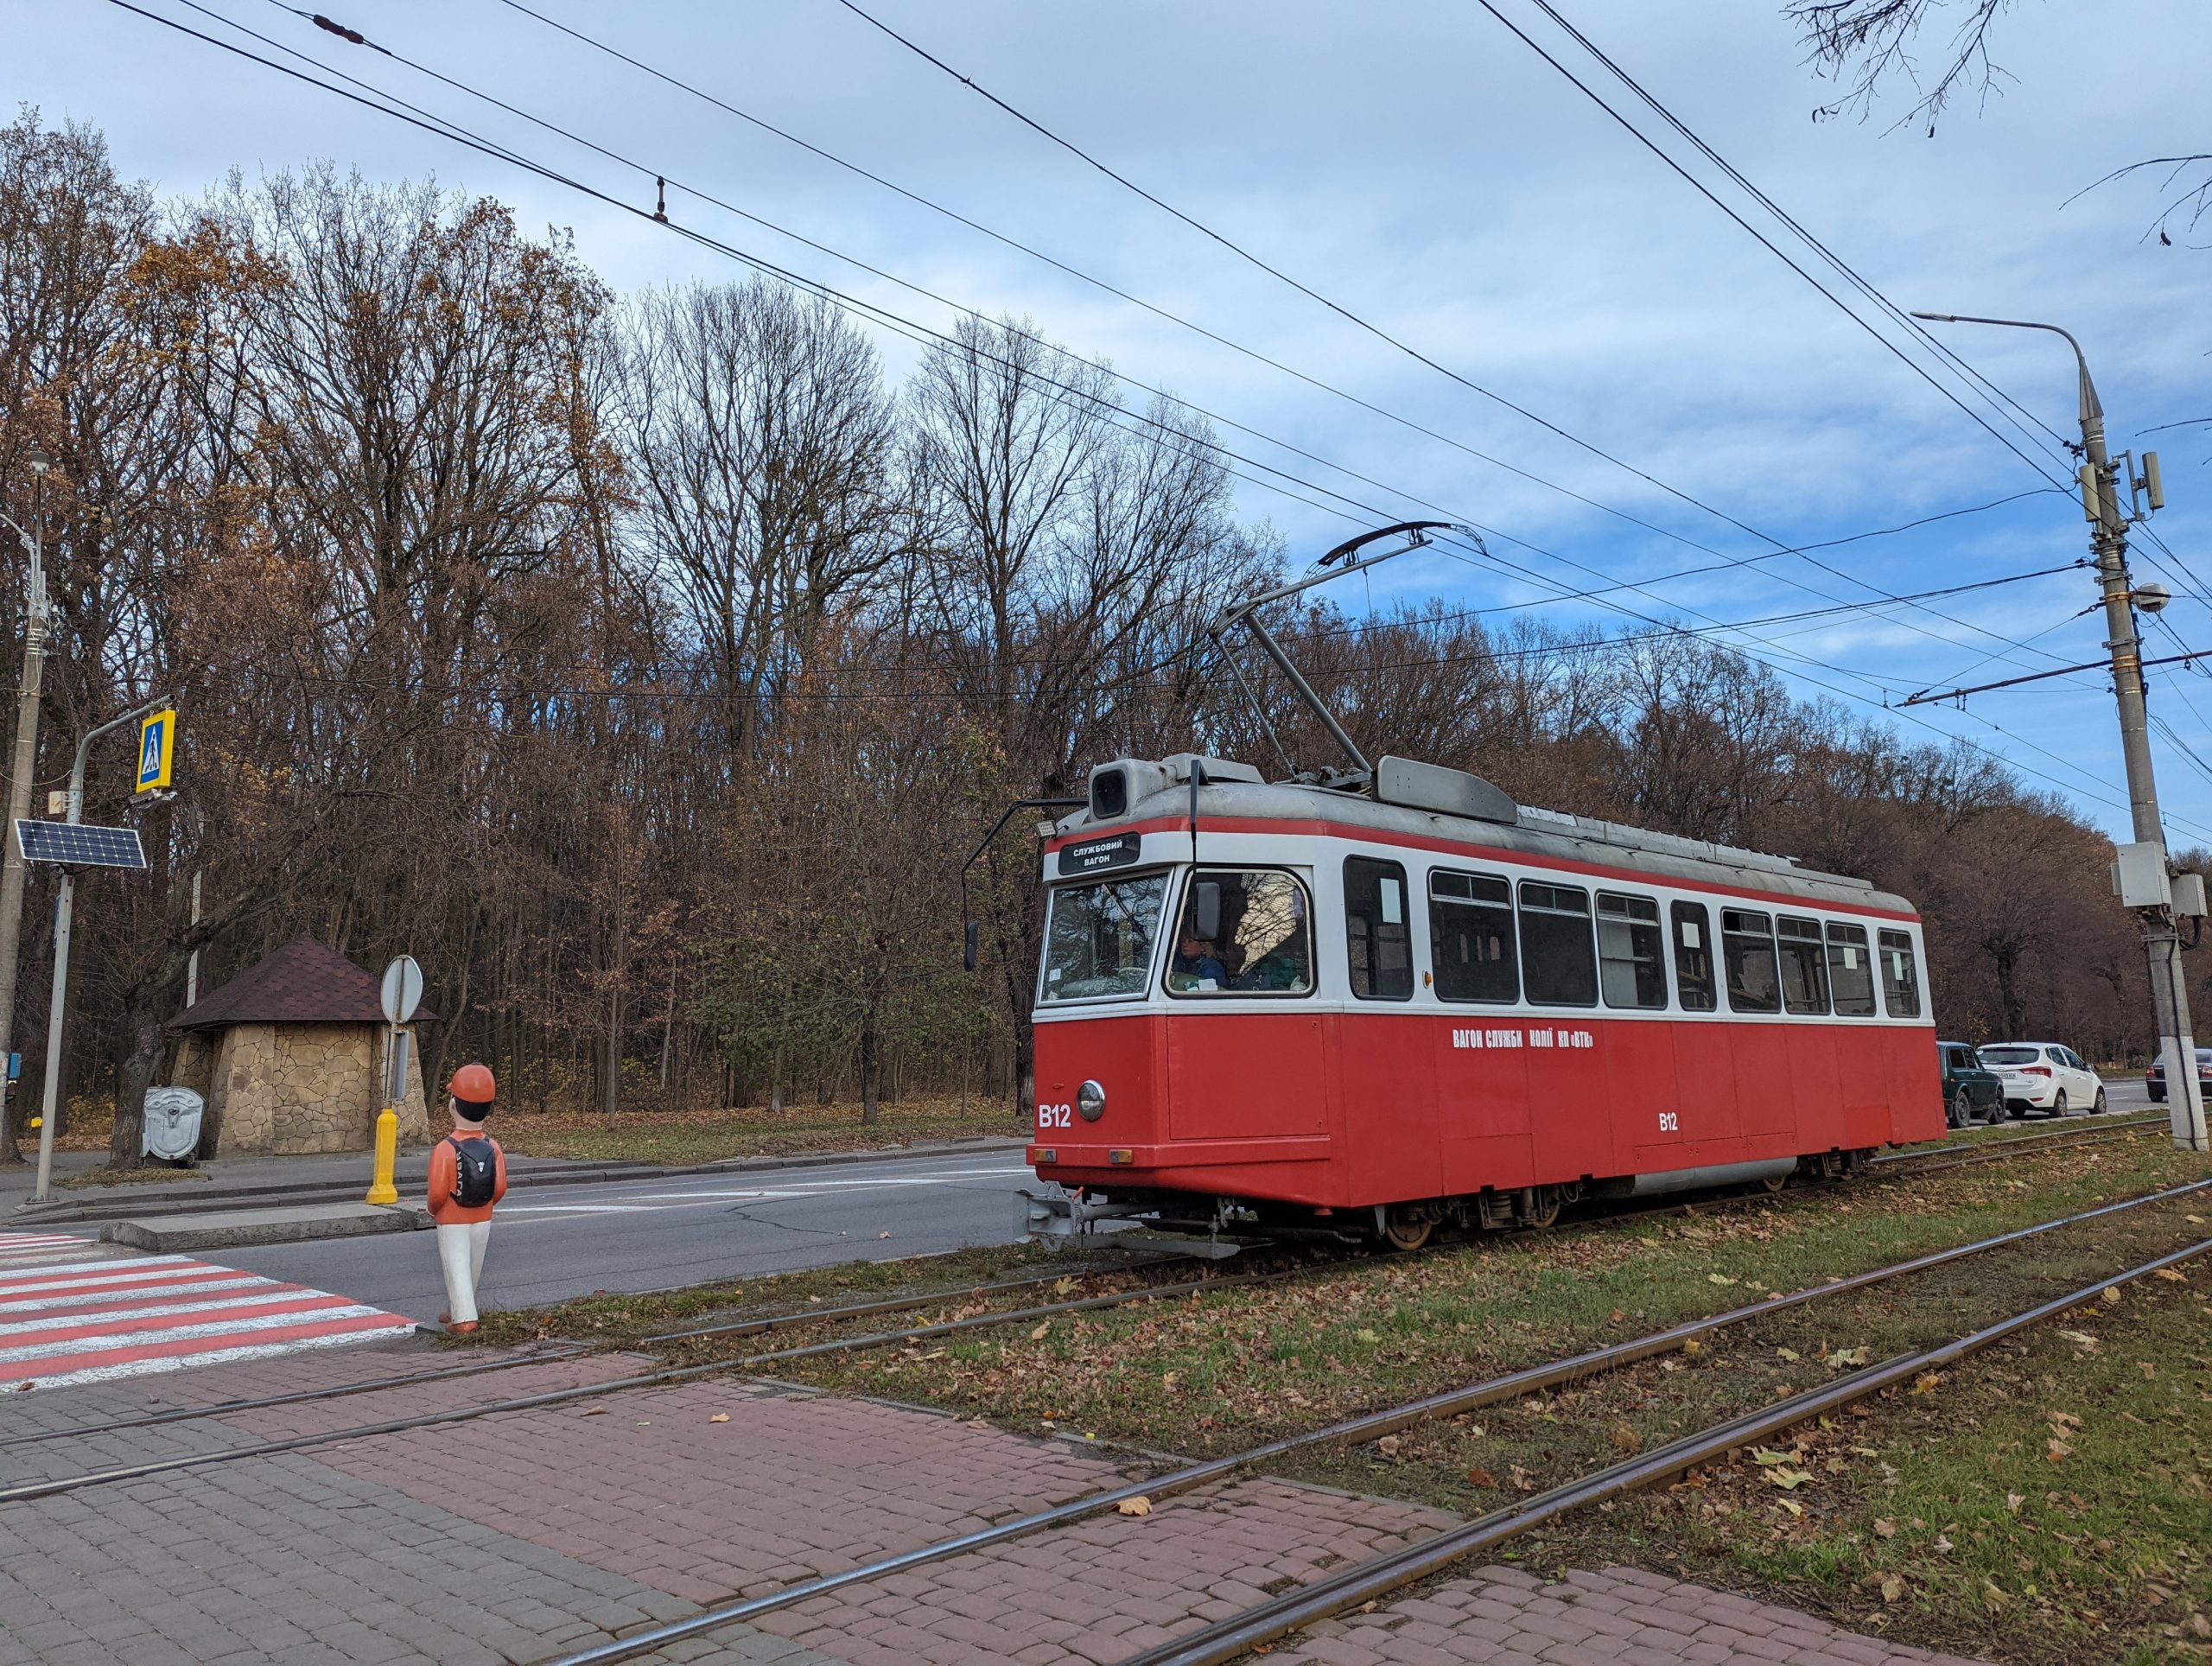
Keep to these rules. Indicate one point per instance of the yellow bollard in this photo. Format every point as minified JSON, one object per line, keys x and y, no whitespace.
{"x":381,"y":1189}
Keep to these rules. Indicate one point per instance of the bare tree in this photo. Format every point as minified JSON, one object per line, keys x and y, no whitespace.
{"x":1868,"y":44}
{"x":762,"y":439}
{"x":648,"y":672}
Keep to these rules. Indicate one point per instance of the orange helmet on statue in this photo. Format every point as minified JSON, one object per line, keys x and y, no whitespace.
{"x":473,"y":1085}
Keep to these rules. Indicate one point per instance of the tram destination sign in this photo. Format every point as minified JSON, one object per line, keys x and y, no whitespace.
{"x":1097,"y":856}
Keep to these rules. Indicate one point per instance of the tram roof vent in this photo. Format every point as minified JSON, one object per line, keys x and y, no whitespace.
{"x":1447,"y":792}
{"x":1670,"y":845}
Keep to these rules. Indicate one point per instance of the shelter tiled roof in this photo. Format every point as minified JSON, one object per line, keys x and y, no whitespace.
{"x":303,"y":982}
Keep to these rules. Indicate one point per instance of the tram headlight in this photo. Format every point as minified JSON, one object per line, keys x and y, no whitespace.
{"x":1091,"y":1100}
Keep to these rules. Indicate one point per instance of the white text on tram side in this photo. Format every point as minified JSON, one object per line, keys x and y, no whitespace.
{"x":1523,"y":1038}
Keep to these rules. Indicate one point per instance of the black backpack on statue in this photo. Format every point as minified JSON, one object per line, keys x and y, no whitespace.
{"x":476,"y":1170}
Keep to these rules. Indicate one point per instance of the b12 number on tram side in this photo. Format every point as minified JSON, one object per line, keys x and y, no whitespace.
{"x":1055,"y":1116}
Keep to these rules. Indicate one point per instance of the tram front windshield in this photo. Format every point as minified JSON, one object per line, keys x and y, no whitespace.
{"x":1098,"y":938}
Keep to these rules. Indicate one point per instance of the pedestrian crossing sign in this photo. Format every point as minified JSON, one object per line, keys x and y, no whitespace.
{"x":156,"y":750}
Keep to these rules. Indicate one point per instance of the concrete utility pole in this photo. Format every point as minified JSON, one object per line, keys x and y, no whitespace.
{"x":2146,"y":884}
{"x":24,"y":766}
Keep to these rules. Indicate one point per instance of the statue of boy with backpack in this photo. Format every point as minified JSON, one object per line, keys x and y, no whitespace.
{"x":468,"y":1176}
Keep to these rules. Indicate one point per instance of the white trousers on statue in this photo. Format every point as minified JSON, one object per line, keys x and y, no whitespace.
{"x":461,"y":1252}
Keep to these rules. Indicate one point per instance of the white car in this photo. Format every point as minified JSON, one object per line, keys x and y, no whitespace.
{"x":2044,"y":1075}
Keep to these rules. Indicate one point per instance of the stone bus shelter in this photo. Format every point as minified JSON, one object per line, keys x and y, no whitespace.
{"x":289,"y":1056}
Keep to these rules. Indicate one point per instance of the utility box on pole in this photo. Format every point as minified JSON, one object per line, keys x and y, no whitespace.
{"x":2189,"y":896}
{"x":2139,"y":876}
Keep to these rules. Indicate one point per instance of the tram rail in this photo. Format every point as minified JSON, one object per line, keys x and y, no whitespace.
{"x":263,"y":1403}
{"x":1490,"y":1391}
{"x":1971,"y":1153}
{"x":27,"y":1490}
{"x":2103,"y":1129}
{"x":1237,"y":1634}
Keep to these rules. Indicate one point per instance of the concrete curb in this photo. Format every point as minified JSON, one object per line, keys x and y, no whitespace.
{"x":221,"y":1198}
{"x":237,"y":1228}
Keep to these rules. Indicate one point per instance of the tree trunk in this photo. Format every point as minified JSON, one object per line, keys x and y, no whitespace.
{"x":138,"y":1055}
{"x":611,"y":1079}
{"x":871,"y":1049}
{"x":2008,"y":995}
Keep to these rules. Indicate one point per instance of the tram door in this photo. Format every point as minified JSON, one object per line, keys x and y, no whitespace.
{"x":1379,"y":1058}
{"x":1482,"y":1062}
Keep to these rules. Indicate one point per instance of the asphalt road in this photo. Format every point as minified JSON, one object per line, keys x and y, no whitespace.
{"x":2129,"y":1094}
{"x":550,"y":1244}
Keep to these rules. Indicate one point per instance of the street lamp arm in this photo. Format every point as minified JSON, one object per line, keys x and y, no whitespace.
{"x":2092,"y":407}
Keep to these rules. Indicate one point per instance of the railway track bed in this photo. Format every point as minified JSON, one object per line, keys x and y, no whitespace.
{"x":889,"y":1313}
{"x":1379,"y":1453}
{"x":796,"y":1484}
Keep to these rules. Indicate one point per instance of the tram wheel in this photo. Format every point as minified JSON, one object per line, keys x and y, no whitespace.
{"x":1774,"y":1183}
{"x":1404,"y":1230}
{"x":1540,"y":1207}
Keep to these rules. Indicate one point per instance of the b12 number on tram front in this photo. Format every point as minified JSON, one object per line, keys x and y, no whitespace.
{"x":1055,"y":1116}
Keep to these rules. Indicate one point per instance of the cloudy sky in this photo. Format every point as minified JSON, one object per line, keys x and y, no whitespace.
{"x":1426,"y":169}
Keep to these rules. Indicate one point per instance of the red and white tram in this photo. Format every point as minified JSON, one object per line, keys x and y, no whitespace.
{"x":1382,"y":1009}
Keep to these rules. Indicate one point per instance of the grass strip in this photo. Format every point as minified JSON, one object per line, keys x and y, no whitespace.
{"x":1220,"y":1372}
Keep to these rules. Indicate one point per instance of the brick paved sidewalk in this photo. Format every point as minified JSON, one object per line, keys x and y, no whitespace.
{"x":526,"y":1536}
{"x":796,"y":1483}
{"x":1503,"y":1617}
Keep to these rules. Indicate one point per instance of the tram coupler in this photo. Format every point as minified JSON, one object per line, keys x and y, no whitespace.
{"x":1060,"y":1213}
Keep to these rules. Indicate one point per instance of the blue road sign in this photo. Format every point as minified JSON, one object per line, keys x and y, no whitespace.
{"x":156,"y":750}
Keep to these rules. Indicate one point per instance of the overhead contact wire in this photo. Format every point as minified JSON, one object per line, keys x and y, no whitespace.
{"x":766,"y":268}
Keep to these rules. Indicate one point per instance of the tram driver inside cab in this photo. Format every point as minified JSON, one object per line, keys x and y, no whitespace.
{"x":1242,"y":931}
{"x":1197,"y":966}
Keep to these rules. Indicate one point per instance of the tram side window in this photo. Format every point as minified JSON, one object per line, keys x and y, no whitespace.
{"x":1850,"y":971}
{"x":1694,"y":984}
{"x":1631,"y":966}
{"x":1804,"y":965}
{"x":1470,"y":938}
{"x":1559,"y":961}
{"x":1261,"y":944}
{"x":1747,"y":950}
{"x":1900,"y":976}
{"x":1377,"y":938}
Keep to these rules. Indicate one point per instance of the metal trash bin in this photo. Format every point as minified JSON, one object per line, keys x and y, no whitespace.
{"x":171,"y":1130}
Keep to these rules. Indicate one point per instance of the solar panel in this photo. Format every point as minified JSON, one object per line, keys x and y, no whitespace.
{"x":73,"y":845}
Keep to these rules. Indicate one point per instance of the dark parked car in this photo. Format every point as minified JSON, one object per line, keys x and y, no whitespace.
{"x":2155,"y":1077}
{"x":1971,"y":1094}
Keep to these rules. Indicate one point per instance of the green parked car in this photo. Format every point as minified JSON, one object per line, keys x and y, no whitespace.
{"x":1971,"y":1094}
